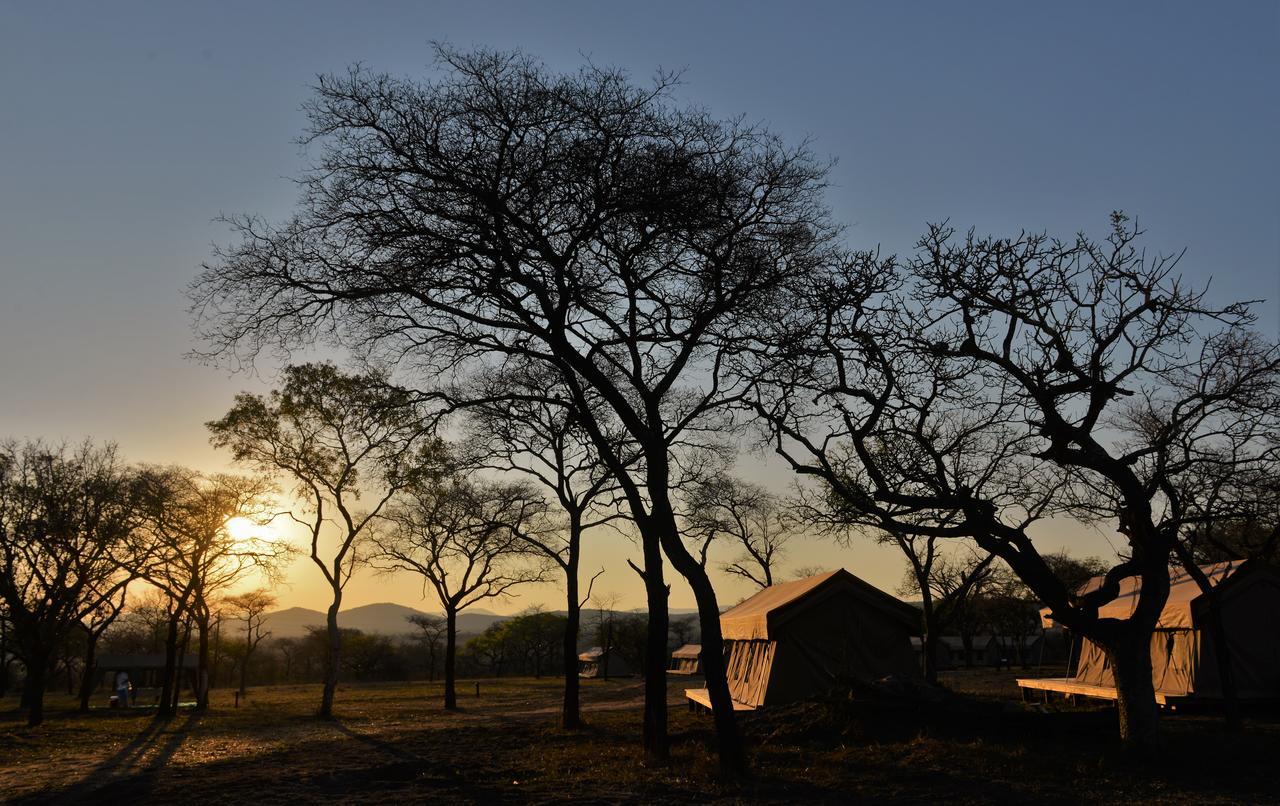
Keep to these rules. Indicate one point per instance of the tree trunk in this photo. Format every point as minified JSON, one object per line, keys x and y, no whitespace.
{"x":450,"y":658}
{"x":4,"y":657}
{"x":929,"y":642}
{"x":33,"y":690}
{"x":202,"y":667}
{"x":1130,"y":656}
{"x":244,"y":673}
{"x":571,"y":714}
{"x":181,"y":666}
{"x":170,"y":665}
{"x":334,"y":657}
{"x":656,"y":743}
{"x":733,"y":759}
{"x":90,"y":672}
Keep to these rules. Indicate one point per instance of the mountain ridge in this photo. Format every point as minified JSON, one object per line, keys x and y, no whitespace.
{"x":389,"y":618}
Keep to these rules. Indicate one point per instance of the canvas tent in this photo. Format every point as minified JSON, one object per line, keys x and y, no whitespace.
{"x":1183,"y":660}
{"x":800,"y":639}
{"x":597,"y":662}
{"x":687,"y":660}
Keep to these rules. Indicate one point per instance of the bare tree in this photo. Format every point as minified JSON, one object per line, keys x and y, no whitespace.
{"x":464,"y":538}
{"x":251,"y":607}
{"x":198,"y":557}
{"x":984,"y":395}
{"x":517,"y":423}
{"x":94,"y":624}
{"x":606,"y":607}
{"x":947,"y":586}
{"x":67,"y":533}
{"x":431,"y":634}
{"x":748,"y":515}
{"x":580,"y":222}
{"x":336,"y":436}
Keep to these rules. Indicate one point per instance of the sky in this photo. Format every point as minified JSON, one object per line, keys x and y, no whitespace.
{"x":126,"y":129}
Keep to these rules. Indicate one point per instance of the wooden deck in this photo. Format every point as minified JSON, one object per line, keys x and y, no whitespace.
{"x":700,"y":698}
{"x":1070,"y":688}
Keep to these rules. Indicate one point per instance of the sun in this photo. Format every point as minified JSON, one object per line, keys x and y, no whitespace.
{"x":244,"y":530}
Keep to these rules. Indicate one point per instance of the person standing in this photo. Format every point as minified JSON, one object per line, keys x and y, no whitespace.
{"x":122,"y":689}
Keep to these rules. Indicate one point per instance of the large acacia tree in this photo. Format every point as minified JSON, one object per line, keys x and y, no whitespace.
{"x":348,"y":443}
{"x":581,"y":222}
{"x":995,"y":381}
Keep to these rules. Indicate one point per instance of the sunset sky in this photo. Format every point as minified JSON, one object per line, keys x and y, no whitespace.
{"x":127,"y":128}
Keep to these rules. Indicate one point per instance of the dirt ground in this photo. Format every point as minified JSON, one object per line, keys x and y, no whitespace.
{"x":394,"y":742}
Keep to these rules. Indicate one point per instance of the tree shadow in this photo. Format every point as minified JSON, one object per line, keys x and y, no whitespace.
{"x":126,"y":769}
{"x":378,"y":744}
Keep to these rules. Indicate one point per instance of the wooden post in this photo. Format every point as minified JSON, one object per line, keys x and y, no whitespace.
{"x":237,"y":698}
{"x":477,"y":688}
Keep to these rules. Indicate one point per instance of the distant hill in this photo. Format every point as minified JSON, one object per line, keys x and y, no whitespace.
{"x":386,"y":618}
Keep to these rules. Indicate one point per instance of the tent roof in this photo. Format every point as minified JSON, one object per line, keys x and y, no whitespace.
{"x":758,"y":616}
{"x":1183,"y":594}
{"x":688,"y":651}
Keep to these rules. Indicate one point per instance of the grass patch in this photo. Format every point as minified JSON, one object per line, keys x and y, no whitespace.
{"x":394,"y":741}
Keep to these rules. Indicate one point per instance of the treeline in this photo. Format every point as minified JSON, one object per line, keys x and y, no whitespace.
{"x":525,"y":645}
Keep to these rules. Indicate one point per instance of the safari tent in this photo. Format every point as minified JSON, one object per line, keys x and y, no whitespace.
{"x":1183,"y":659}
{"x":687,"y":660}
{"x":597,"y":662}
{"x":800,"y":639}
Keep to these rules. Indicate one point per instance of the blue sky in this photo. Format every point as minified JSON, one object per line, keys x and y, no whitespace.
{"x":126,"y":128}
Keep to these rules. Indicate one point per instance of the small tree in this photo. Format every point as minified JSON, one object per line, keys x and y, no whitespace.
{"x":199,"y":555}
{"x":521,"y":422}
{"x":947,"y":586}
{"x":464,"y":538}
{"x":251,"y":608}
{"x":337,"y":437}
{"x":749,"y":516}
{"x":431,"y":634}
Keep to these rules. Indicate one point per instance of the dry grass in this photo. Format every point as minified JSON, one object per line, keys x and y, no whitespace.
{"x":393,"y":742}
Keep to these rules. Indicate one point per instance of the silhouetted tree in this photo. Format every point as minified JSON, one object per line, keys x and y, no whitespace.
{"x":747,"y":514}
{"x":431,"y":634}
{"x":68,"y":523}
{"x":519,"y":423}
{"x":579,"y":222}
{"x":197,"y":557}
{"x":94,"y":624}
{"x":979,"y":391}
{"x":250,"y":608}
{"x":337,"y":437}
{"x":464,"y":538}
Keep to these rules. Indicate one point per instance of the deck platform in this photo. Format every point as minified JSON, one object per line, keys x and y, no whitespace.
{"x":1070,"y":688}
{"x":700,"y":699}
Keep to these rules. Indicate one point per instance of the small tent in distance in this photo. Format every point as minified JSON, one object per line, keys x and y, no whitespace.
{"x":687,"y":660}
{"x":801,"y":639}
{"x":1183,"y":661}
{"x":598,"y":662}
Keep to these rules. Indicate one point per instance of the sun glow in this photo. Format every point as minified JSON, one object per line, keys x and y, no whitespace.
{"x":245,"y":529}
